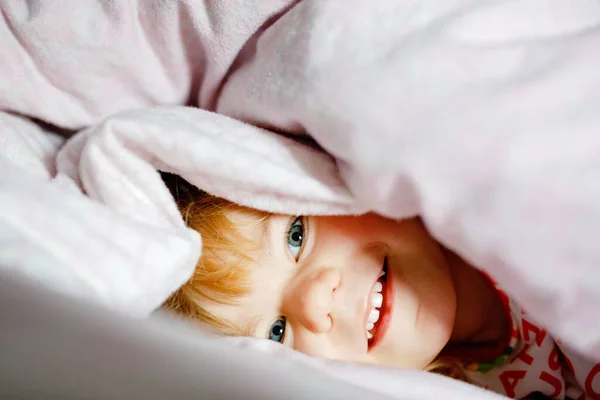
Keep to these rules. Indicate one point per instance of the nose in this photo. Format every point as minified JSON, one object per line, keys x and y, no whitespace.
{"x":310,"y":302}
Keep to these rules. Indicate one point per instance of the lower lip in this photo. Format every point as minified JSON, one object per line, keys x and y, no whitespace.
{"x":385,"y":311}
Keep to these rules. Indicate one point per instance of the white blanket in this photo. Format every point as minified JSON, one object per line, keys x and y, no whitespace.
{"x":482,"y":117}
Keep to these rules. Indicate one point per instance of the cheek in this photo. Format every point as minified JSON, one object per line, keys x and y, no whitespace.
{"x":430,"y":284}
{"x":421,"y":326}
{"x":426,"y":303}
{"x":343,"y":230}
{"x":333,"y":346}
{"x":437,"y":309}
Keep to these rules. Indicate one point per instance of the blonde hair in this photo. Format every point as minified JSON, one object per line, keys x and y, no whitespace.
{"x":222,"y":273}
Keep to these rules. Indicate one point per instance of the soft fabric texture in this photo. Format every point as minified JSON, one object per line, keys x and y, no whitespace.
{"x":480,"y":116}
{"x":75,"y":62}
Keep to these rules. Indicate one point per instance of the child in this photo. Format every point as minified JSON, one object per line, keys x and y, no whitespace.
{"x":366,"y":289}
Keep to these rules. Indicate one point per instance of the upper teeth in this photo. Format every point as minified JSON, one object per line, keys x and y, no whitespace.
{"x":376,"y":302}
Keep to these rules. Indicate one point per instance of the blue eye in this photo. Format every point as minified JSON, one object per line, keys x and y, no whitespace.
{"x":295,"y":237}
{"x":277,"y":332}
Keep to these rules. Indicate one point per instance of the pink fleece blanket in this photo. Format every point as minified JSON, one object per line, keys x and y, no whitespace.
{"x":482,"y":117}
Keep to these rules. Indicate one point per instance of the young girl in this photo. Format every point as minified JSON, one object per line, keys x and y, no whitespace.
{"x":367,"y":289}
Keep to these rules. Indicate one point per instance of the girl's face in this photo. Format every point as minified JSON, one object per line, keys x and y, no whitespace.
{"x":318,"y":288}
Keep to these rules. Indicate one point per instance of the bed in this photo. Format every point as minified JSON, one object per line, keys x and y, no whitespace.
{"x":479,"y":116}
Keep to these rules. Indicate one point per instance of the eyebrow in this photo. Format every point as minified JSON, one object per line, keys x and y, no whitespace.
{"x":267,"y":242}
{"x":251,"y":329}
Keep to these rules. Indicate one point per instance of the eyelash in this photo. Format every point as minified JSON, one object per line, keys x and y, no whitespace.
{"x":295,"y":221}
{"x":284,"y":323}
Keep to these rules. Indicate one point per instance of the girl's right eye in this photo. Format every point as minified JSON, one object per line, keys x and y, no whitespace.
{"x":295,"y":237}
{"x":277,"y":332}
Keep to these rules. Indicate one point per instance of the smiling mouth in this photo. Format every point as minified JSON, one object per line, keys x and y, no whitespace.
{"x":379,"y":316}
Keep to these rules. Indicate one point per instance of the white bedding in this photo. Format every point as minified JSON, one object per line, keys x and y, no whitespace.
{"x":480,"y":116}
